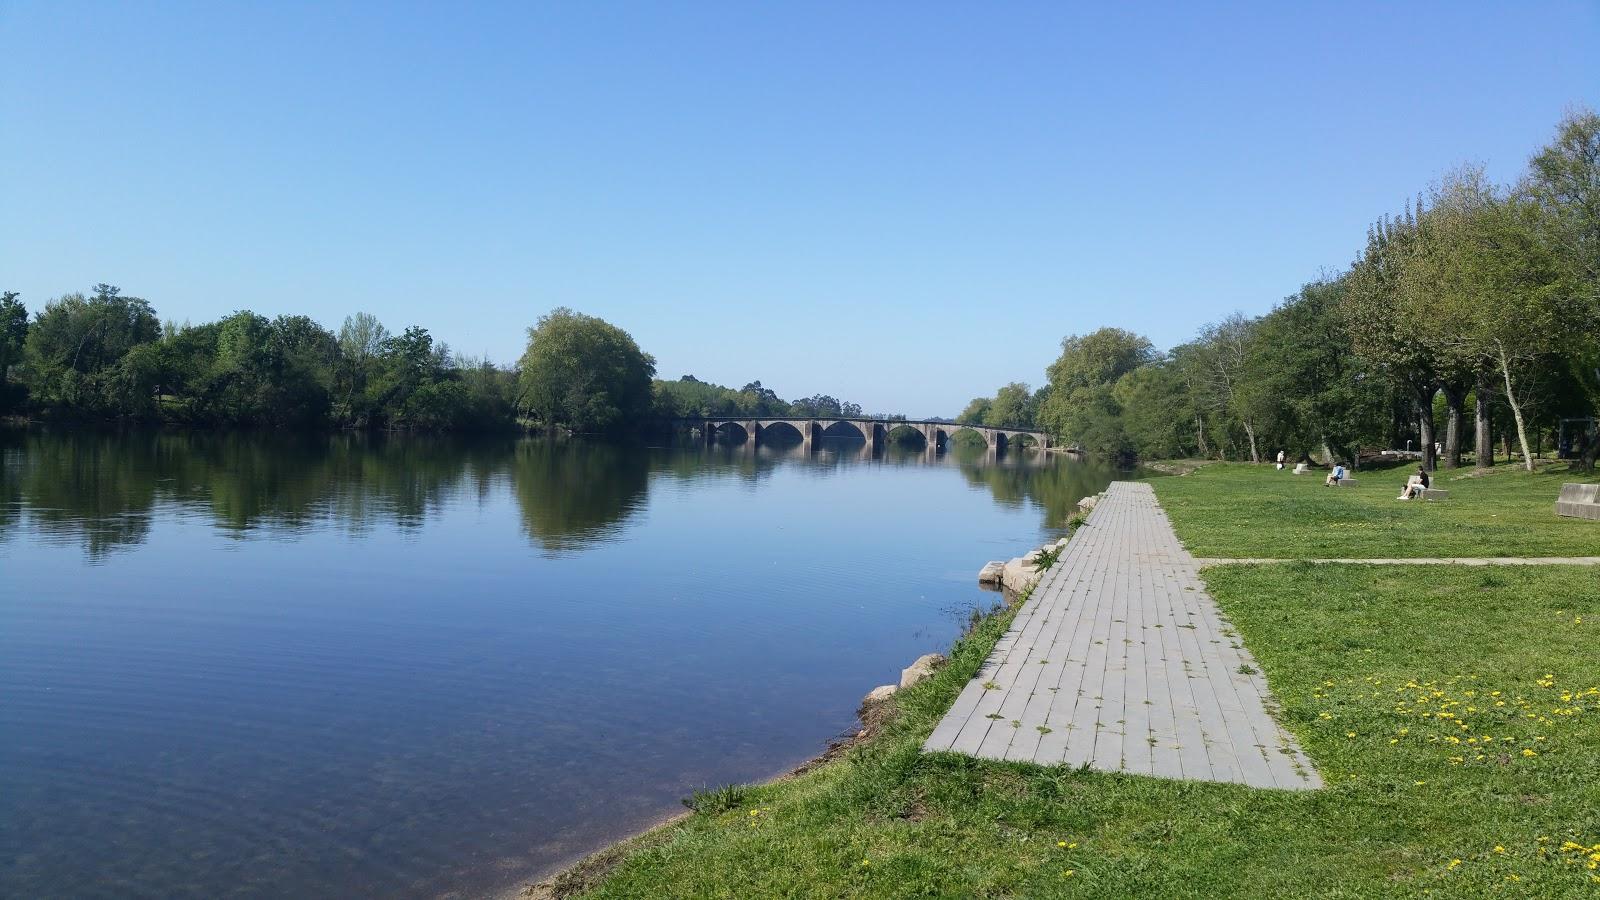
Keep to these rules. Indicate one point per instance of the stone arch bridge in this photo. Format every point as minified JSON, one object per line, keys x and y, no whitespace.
{"x":874,"y":431}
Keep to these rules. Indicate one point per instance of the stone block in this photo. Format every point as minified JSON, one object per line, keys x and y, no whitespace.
{"x":991,"y":572}
{"x":921,"y":670}
{"x":1579,"y":501}
{"x":880,"y":693}
{"x":1435,"y":494}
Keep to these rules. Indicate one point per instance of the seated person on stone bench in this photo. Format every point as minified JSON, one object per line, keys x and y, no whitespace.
{"x":1415,"y":485}
{"x":1336,"y":476}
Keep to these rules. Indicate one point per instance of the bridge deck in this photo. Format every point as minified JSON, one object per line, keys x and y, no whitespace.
{"x":1121,"y":660}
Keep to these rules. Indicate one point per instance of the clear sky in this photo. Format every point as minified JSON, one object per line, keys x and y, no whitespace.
{"x":903,"y":204}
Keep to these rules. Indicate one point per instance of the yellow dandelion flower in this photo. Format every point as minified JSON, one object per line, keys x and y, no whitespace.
{"x":1499,"y":849}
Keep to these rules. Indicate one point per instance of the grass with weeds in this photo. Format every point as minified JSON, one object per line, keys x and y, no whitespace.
{"x":1240,"y":510}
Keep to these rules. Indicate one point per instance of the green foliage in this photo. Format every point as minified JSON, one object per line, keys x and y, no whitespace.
{"x":1012,"y":407}
{"x":584,"y":373}
{"x":13,"y":337}
{"x":717,"y":800}
{"x":1313,"y":391}
{"x":75,"y":345}
{"x":1080,"y":407}
{"x":975,"y":411}
{"x":1487,"y":293}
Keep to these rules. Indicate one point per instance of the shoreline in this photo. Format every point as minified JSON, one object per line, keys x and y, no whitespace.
{"x":586,"y":872}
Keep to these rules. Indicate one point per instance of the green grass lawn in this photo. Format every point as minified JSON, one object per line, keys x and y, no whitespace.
{"x":1378,"y":669}
{"x":1240,"y":510}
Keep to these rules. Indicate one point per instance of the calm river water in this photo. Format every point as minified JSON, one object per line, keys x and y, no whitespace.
{"x":425,"y":667}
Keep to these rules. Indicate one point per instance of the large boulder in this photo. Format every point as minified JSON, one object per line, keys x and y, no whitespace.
{"x":880,"y":693}
{"x":1020,"y":574}
{"x":990,"y":574}
{"x":921,"y":670}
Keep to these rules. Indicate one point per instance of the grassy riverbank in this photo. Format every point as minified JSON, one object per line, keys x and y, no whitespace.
{"x":1454,"y":714}
{"x":1240,"y":510}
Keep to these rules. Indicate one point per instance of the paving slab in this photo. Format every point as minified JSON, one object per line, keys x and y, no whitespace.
{"x":1120,"y":660}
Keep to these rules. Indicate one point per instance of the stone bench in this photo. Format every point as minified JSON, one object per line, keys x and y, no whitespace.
{"x":1580,"y":501}
{"x":1346,"y":482}
{"x":1434,"y":494}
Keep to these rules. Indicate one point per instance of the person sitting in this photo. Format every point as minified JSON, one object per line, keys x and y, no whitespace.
{"x":1415,"y":485}
{"x":1336,"y":476}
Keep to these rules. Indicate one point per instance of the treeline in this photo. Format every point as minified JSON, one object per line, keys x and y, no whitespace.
{"x":105,"y":356}
{"x":689,"y":397}
{"x":1477,"y":301}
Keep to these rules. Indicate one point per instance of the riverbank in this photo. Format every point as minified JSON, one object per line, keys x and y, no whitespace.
{"x":893,"y":723}
{"x":1453,"y":713}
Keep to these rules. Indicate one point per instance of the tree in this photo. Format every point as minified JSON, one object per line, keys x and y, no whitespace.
{"x":1155,"y":414}
{"x":1512,"y":279}
{"x":1080,"y":406}
{"x":1384,"y":318}
{"x":1010,"y":407}
{"x":1564,"y":179}
{"x":584,"y":373}
{"x":76,"y":342}
{"x":975,"y":411}
{"x":1221,"y":352}
{"x":361,"y":339}
{"x":1310,"y":384}
{"x":13,"y":336}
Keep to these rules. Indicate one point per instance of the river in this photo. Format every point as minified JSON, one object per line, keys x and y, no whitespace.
{"x":339,"y":666}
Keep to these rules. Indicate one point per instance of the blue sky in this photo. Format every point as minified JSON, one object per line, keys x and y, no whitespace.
{"x":904,"y":204}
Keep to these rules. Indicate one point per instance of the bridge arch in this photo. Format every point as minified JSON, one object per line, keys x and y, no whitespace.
{"x":784,"y":428}
{"x":844,"y":428}
{"x":730,"y":429}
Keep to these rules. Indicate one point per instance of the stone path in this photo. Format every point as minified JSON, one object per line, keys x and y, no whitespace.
{"x":1424,"y":561}
{"x":1122,"y":662}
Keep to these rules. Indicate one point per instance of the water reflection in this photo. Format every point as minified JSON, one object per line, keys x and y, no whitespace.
{"x":399,"y":666}
{"x":100,"y":489}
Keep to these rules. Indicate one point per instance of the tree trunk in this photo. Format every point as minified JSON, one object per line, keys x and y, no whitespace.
{"x":1250,"y":432}
{"x":1200,"y":435}
{"x":1516,"y":410}
{"x":1484,"y":439}
{"x":1455,"y":397}
{"x":1424,"y":398}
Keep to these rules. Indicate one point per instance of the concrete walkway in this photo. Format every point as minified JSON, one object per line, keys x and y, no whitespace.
{"x":1421,"y":561}
{"x":1121,"y":661}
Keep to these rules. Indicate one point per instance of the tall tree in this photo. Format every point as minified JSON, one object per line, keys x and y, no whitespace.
{"x":974,"y":412}
{"x":1010,"y":407}
{"x":1384,"y":318}
{"x":1564,"y":179}
{"x":13,"y":336}
{"x":584,"y":373}
{"x":1224,"y":349}
{"x":76,"y":342}
{"x":1080,"y":407}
